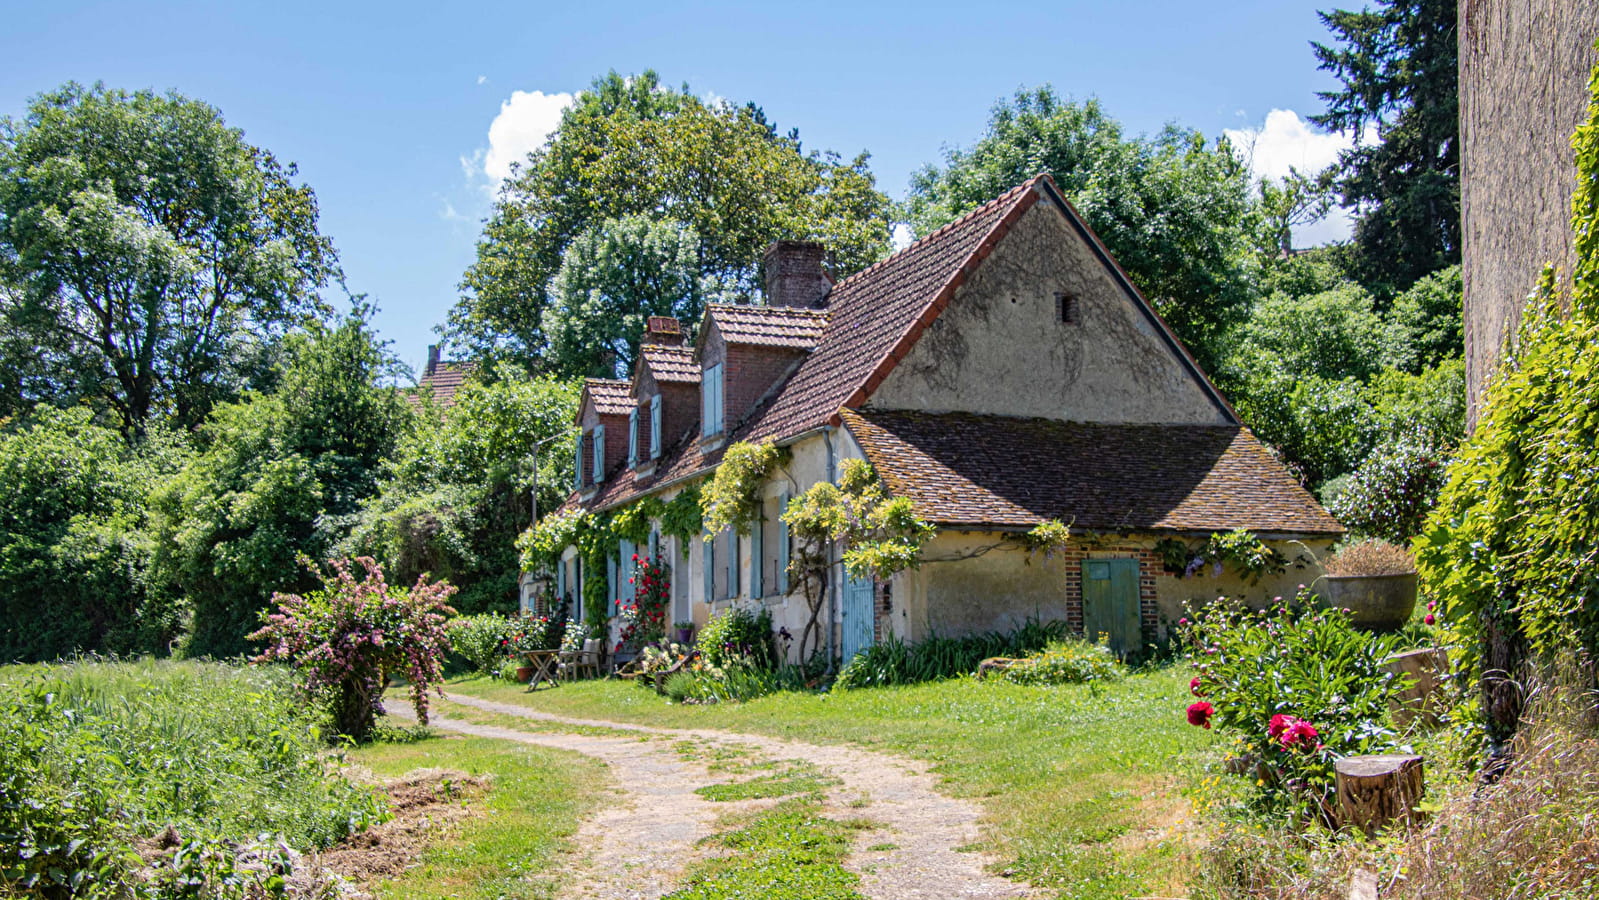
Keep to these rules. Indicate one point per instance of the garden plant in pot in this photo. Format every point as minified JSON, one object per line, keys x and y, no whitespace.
{"x":685,"y":631}
{"x":1374,"y":580}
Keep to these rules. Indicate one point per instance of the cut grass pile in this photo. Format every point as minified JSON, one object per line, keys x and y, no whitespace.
{"x":539,"y":798}
{"x":1080,"y":783}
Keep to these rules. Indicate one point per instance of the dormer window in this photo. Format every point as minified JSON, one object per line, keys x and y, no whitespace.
{"x":655,"y":427}
{"x":711,"y":401}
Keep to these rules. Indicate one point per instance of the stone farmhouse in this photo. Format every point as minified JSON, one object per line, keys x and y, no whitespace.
{"x":1000,"y":372}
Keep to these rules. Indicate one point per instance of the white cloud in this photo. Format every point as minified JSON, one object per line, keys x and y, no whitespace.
{"x":1286,"y":142}
{"x":523,"y":125}
{"x":901,"y":236}
{"x":482,"y":78}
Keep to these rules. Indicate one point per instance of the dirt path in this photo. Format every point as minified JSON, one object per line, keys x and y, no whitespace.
{"x":642,"y":841}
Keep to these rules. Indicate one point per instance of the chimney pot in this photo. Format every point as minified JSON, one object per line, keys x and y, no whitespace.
{"x":796,"y":275}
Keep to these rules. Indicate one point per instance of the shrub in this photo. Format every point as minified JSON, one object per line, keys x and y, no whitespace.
{"x":737,"y":679}
{"x":644,"y":620}
{"x":891,"y":661}
{"x":1391,"y":493}
{"x":95,"y":755}
{"x":347,"y":638}
{"x":479,"y":641}
{"x":1068,"y":662}
{"x":740,"y":632}
{"x":1370,"y":557}
{"x":1298,"y":687}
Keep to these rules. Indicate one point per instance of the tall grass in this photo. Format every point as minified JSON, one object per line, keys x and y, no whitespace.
{"x":892,"y":661}
{"x":96,"y":755}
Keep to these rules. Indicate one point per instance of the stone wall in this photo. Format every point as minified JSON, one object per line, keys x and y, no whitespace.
{"x":1524,"y":67}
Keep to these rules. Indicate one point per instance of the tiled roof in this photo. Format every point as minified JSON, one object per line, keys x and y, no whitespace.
{"x":671,"y":363}
{"x":769,"y":326}
{"x":442,"y":381}
{"x":965,"y":469}
{"x":879,"y":312}
{"x":611,"y":397}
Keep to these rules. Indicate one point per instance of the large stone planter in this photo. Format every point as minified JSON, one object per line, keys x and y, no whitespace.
{"x":1375,"y":602}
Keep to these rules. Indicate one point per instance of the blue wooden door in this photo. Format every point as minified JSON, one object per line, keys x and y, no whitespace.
{"x":857,"y":627}
{"x":1110,"y":603}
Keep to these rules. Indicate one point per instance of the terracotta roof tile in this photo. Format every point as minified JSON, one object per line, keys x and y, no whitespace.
{"x":769,"y":326}
{"x":964,"y":469}
{"x":443,"y":381}
{"x":669,"y":363}
{"x":877,"y":312}
{"x":611,"y":397}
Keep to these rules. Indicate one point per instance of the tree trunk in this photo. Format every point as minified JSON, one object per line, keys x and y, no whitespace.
{"x":1426,"y":670}
{"x":1376,"y":791}
{"x":1504,"y":654}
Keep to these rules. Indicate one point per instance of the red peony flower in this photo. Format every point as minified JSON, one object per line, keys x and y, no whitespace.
{"x":1430,"y":619}
{"x":1278,"y":725}
{"x":1193,"y":687}
{"x":1300,"y":734}
{"x":1200,"y":713}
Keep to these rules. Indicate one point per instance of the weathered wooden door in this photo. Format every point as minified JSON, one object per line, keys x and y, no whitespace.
{"x":857,"y":627}
{"x":1110,"y":603}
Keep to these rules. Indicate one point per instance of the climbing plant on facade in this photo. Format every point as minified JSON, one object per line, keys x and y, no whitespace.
{"x":732,"y":498}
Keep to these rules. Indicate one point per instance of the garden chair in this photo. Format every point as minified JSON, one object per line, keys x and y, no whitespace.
{"x":587,"y":659}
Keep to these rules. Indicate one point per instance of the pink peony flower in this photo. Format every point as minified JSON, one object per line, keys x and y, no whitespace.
{"x":1430,"y":619}
{"x":1193,"y":687}
{"x":1278,"y":725}
{"x":1200,"y":713}
{"x":1300,"y":734}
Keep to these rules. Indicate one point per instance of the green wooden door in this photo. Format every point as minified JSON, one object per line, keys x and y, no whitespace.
{"x":1110,"y":603}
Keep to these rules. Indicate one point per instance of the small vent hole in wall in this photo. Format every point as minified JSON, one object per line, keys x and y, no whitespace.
{"x":1066,"y":307}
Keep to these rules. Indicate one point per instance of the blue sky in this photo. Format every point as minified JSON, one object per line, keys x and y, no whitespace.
{"x":388,"y":108}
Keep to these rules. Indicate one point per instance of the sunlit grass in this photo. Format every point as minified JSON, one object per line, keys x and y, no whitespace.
{"x":1080,"y":784}
{"x":517,"y":849}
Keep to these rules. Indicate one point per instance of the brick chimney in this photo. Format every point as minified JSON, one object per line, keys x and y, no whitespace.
{"x":433,"y":360}
{"x":795,"y":275}
{"x":663,"y":330}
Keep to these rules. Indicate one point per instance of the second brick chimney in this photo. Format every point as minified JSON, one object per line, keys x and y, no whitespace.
{"x":795,"y":275}
{"x":663,"y":330}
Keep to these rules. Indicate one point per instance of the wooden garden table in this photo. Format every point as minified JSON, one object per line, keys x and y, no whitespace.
{"x":543,"y":663}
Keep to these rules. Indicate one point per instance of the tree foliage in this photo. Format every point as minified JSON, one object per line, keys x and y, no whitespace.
{"x":613,"y":277}
{"x":1177,"y":213}
{"x":632,"y":146}
{"x":152,"y":256}
{"x":75,"y":543}
{"x":280,"y":476}
{"x":1398,"y":67}
{"x":457,"y":490}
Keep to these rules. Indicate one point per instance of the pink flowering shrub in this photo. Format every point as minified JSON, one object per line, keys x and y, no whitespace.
{"x":1297,"y":687}
{"x":348,"y":638}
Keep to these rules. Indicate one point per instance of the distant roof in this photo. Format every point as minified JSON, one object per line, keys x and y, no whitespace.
{"x":769,"y":326}
{"x":442,"y":381}
{"x":965,"y":469}
{"x":611,"y":397}
{"x":669,"y":363}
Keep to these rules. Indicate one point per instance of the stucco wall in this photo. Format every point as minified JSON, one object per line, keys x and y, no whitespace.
{"x":1524,"y":67}
{"x":1000,"y":589}
{"x":1001,"y":347}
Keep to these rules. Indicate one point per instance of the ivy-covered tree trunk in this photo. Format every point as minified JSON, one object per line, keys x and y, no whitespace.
{"x":1504,"y":658}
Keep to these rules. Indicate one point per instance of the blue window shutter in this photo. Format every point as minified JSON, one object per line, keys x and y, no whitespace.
{"x":758,"y":555}
{"x":721,"y":405}
{"x":626,"y":559}
{"x":632,"y":438}
{"x":560,"y":581}
{"x":732,"y":562}
{"x":577,"y":469}
{"x":599,"y":453}
{"x":655,"y":546}
{"x":782,"y":544}
{"x":708,"y":564}
{"x":610,"y":582}
{"x":655,"y":427}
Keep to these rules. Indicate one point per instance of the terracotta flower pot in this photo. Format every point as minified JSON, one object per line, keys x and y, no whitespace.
{"x":524,"y":674}
{"x":1375,"y":602}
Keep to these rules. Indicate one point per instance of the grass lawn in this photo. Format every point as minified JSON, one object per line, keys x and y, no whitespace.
{"x":539,"y":798}
{"x":1080,"y":783}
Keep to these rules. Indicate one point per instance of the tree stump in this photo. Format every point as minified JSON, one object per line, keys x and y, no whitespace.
{"x":1376,"y":791}
{"x":1426,"y":669}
